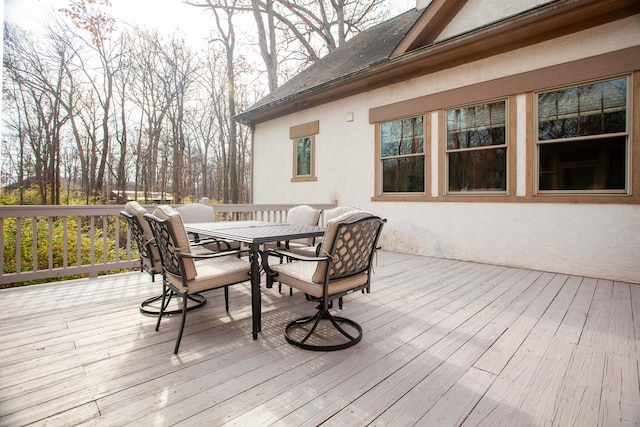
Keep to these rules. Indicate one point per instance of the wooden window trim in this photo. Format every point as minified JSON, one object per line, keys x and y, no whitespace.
{"x":378,"y":188}
{"x":304,"y":130}
{"x":444,"y":176}
{"x":426,"y":104}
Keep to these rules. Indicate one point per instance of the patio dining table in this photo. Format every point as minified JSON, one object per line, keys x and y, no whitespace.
{"x":254,"y":234}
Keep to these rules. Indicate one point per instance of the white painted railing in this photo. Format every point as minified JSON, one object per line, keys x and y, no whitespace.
{"x":86,"y":240}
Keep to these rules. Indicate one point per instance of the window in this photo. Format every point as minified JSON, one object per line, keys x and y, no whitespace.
{"x":402,"y":155}
{"x":477,"y":148}
{"x":304,"y":157}
{"x":303,"y":137}
{"x":582,"y":138}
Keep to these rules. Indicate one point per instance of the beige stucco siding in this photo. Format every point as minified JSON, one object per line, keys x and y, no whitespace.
{"x":591,"y":239}
{"x":478,"y":13}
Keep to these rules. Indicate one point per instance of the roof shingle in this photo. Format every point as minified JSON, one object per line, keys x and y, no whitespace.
{"x":372,"y":46}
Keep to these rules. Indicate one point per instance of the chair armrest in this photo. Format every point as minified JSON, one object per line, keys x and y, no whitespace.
{"x":201,"y":242}
{"x":286,"y":244}
{"x":222,"y":244}
{"x":292,"y":255}
{"x":211,"y":255}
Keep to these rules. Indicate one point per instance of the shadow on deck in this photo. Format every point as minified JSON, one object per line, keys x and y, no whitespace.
{"x":445,"y":343}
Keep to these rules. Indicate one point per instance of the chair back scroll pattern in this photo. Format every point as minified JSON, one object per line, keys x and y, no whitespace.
{"x":354,"y":247}
{"x":166,"y":244}
{"x":138,"y":235}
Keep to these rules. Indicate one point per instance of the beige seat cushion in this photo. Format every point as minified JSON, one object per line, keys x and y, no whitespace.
{"x":330,"y":214}
{"x":168,"y":213}
{"x":300,"y":274}
{"x":135,"y":209}
{"x":196,"y":212}
{"x":200,"y":212}
{"x":311,"y":250}
{"x":304,"y":250}
{"x":303,"y":215}
{"x":215,"y":273}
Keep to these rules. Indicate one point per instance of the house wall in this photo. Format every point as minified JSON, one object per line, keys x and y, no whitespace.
{"x":593,"y":239}
{"x":477,"y":13}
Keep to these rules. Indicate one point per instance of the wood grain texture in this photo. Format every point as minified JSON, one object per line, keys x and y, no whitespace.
{"x":445,"y":343}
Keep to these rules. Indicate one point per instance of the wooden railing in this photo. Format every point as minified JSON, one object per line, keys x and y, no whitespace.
{"x":76,"y":241}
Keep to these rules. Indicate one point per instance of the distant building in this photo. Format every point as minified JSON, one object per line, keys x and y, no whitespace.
{"x":152,"y":197}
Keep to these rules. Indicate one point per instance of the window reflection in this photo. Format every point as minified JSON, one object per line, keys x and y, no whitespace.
{"x":594,"y":109}
{"x":476,"y":148}
{"x":583,"y":165}
{"x":577,"y":150}
{"x":303,"y":164}
{"x":403,"y":175}
{"x":402,"y":155}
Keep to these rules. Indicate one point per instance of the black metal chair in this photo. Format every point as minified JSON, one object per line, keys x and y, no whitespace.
{"x":183,"y":276}
{"x":200,"y":212}
{"x":343,"y":266}
{"x":302,"y":215}
{"x":150,"y":260}
{"x":141,"y":233}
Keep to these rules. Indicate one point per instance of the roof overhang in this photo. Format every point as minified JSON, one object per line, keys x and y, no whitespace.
{"x":537,"y":25}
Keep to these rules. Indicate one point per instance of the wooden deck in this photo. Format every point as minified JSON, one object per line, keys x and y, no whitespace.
{"x":445,"y":343}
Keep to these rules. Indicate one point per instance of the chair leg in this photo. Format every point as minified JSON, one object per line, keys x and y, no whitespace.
{"x":322,"y":314}
{"x":184,"y":319}
{"x":226,"y":298}
{"x":163,"y":304}
{"x":198,"y":301}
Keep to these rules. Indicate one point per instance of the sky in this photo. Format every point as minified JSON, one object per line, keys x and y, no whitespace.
{"x":166,"y":15}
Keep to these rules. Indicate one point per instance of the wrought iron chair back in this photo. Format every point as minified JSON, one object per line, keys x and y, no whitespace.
{"x":354,"y":247}
{"x":166,"y":242}
{"x":149,"y":257}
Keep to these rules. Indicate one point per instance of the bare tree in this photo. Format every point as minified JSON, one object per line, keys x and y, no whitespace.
{"x":39,"y":80}
{"x":226,"y":31}
{"x":122,"y":83}
{"x":87,"y":15}
{"x":105,"y":110}
{"x":152,"y":95}
{"x":182,"y":65}
{"x":299,"y":32}
{"x":204,"y":125}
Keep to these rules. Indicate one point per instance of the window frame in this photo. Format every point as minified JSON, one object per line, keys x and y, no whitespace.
{"x":296,"y":133}
{"x":380,"y":159}
{"x":520,"y":89}
{"x":505,"y":146}
{"x":537,"y":143}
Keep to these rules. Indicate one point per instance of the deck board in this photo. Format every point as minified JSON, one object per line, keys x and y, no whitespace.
{"x":445,"y":343}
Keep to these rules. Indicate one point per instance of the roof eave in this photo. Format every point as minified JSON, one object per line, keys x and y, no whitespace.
{"x":555,"y":20}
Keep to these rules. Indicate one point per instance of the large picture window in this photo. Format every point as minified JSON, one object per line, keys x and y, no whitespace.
{"x":582,"y":138}
{"x":477,"y":148}
{"x":402,"y":155}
